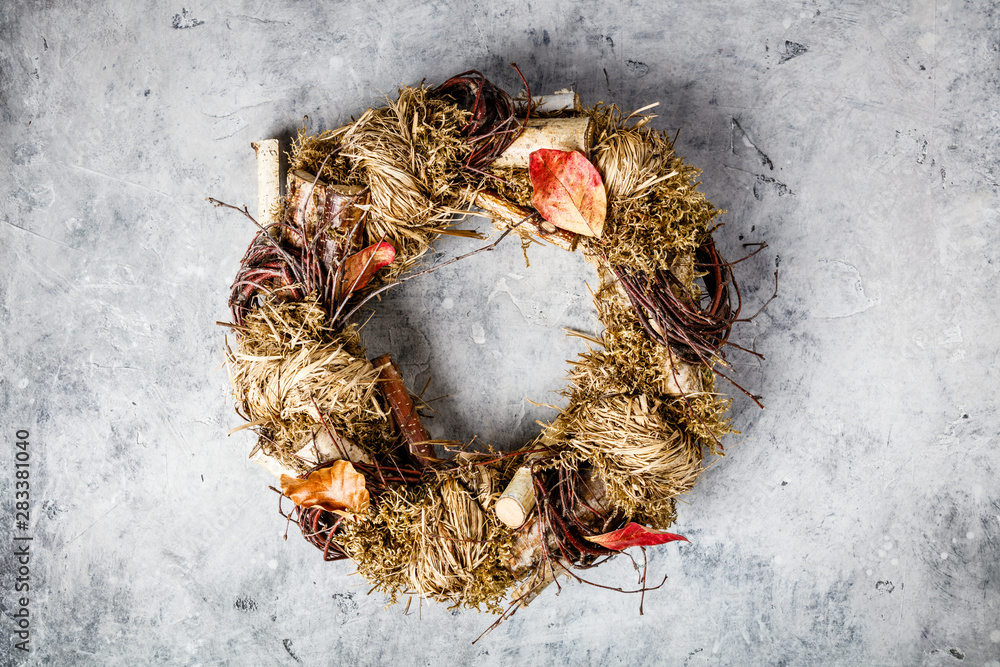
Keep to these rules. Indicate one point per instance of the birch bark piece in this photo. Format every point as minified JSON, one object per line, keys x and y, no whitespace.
{"x":526,"y":551}
{"x":403,"y":411}
{"x":313,"y":204}
{"x":268,"y":179}
{"x":565,"y":134}
{"x":683,"y":377}
{"x":517,"y":500}
{"x":327,"y":445}
{"x":533,"y":586}
{"x":315,"y":449}
{"x":505,"y":214}
{"x":563,"y":100}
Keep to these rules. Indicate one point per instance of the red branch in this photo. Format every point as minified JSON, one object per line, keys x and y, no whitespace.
{"x":404,"y":412}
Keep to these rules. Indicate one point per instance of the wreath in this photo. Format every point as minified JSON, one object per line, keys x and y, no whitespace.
{"x":359,"y":474}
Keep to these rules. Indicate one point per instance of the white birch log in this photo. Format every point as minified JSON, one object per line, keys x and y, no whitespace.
{"x":563,"y":100}
{"x":271,"y":465}
{"x":268,"y":179}
{"x":565,"y":134}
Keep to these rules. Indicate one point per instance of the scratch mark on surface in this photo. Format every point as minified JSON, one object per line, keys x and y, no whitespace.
{"x":93,"y":523}
{"x":44,"y":238}
{"x":116,"y":178}
{"x":248,"y":107}
{"x":162,"y":402}
{"x":62,"y":359}
{"x":765,"y":161}
{"x":62,"y":65}
{"x":254,"y":19}
{"x":115,"y":368}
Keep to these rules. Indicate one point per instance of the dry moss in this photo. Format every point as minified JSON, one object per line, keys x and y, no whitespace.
{"x":655,"y":210}
{"x":704,"y":415}
{"x":514,"y":185}
{"x":436,"y":541}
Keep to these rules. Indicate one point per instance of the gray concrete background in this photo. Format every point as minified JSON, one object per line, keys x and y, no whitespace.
{"x":855,"y":521}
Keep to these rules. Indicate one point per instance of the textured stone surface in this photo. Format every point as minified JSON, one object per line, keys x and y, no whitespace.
{"x":855,"y":521}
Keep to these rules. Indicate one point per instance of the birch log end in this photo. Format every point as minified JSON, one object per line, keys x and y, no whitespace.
{"x":517,"y":500}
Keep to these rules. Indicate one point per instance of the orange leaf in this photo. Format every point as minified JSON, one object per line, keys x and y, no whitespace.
{"x":569,"y":191}
{"x":361,"y":266}
{"x":634,"y":535}
{"x":339,"y":487}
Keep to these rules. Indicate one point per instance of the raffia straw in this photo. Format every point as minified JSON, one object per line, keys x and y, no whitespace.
{"x":644,"y":459}
{"x":287,"y":368}
{"x":409,"y":154}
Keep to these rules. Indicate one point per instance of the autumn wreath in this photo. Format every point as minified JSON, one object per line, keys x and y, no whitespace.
{"x":363,"y":203}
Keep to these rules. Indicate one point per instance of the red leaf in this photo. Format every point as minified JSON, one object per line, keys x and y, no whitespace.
{"x":361,"y":266}
{"x":569,"y":191}
{"x":634,"y":535}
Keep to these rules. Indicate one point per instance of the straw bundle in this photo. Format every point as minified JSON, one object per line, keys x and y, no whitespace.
{"x":434,"y":541}
{"x":409,"y":155}
{"x":655,"y":211}
{"x":288,"y":369}
{"x":643,"y":458}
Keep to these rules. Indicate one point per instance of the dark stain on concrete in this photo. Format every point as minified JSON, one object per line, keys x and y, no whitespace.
{"x":885,"y":586}
{"x":792,"y":50}
{"x":245,"y":604}
{"x":184,"y":20}
{"x":287,"y":643}
{"x":637,"y":68}
{"x":767,"y":184}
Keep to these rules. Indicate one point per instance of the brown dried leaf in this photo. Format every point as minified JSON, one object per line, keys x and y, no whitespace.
{"x":569,"y":191}
{"x":338,"y":487}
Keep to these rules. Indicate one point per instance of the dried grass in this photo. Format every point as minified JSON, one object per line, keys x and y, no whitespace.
{"x":435,"y":541}
{"x":288,"y":369}
{"x":409,"y":155}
